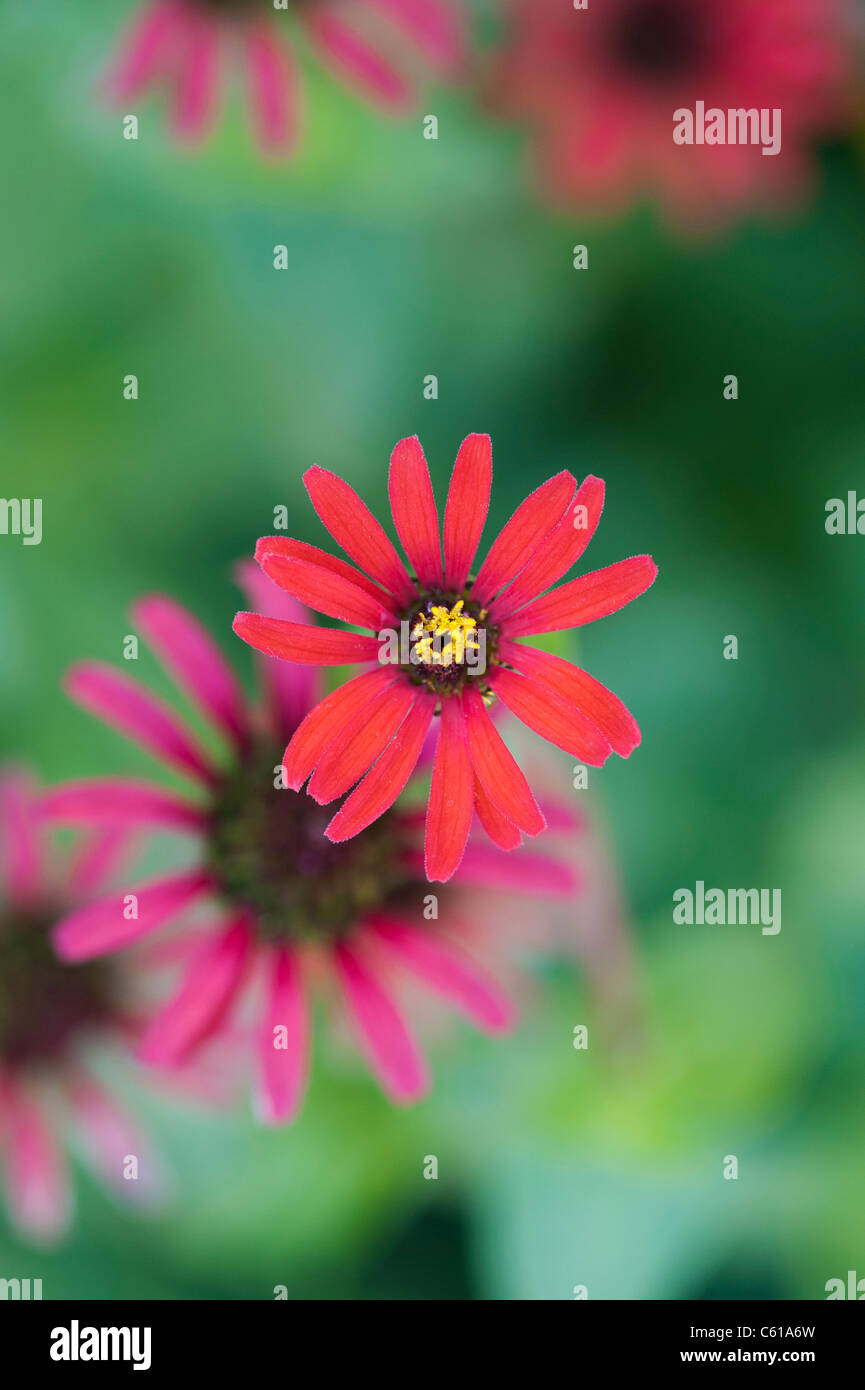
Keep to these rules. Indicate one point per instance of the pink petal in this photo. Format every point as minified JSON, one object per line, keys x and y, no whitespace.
{"x":304,"y":643}
{"x":282,"y":1070}
{"x":595,"y":701}
{"x":209,"y":988}
{"x":21,"y":867}
{"x":559,"y":552}
{"x":291,"y":690}
{"x":586,"y":599}
{"x":323,"y":723}
{"x":501,"y":831}
{"x":125,"y":705}
{"x":109,"y":1136}
{"x":355,"y":60}
{"x":356,"y":530}
{"x":192,"y":658}
{"x":115,"y":801}
{"x":496,"y":768}
{"x":386,"y":779}
{"x":533,"y":520}
{"x":434,"y":26}
{"x":356,"y":747}
{"x":449,"y":971}
{"x":391,"y":1052}
{"x":99,"y":928}
{"x":449,"y":814}
{"x":97,"y":859}
{"x":467,"y":506}
{"x":144,"y":49}
{"x":34,"y":1169}
{"x":523,"y":871}
{"x":198,"y":77}
{"x":550,"y":716}
{"x":414,"y":511}
{"x":274,"y":89}
{"x":327,"y":592}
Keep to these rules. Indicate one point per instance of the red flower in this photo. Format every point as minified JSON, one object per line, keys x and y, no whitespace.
{"x":293,"y":908}
{"x":181,"y":42}
{"x":48,"y":1014}
{"x":600,"y":87}
{"x":447,"y":644}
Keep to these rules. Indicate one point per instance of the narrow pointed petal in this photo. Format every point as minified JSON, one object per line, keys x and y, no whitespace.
{"x":108,"y":1135}
{"x":356,"y":747}
{"x":146,"y":49}
{"x":467,"y":506}
{"x":501,"y":831}
{"x":291,"y":549}
{"x":591,"y":698}
{"x":114,"y":801}
{"x":289,"y":690}
{"x":496,"y":768}
{"x":283,"y":1041}
{"x":304,"y":643}
{"x":586,"y":599}
{"x":101,"y":927}
{"x":550,"y":716}
{"x":327,"y":592}
{"x":524,"y":871}
{"x":354,"y":60}
{"x":356,"y":530}
{"x":20,"y":851}
{"x":323,"y":723}
{"x":449,"y":814}
{"x":434,"y":25}
{"x":34,"y":1169}
{"x":125,"y":705}
{"x":274,"y":90}
{"x":387,"y":777}
{"x":192,"y":658}
{"x":392,"y":1054}
{"x":101,"y":856}
{"x":559,"y":552}
{"x":533,"y":520}
{"x":414,"y":511}
{"x":447,"y":970}
{"x":210,"y":987}
{"x":197,"y":92}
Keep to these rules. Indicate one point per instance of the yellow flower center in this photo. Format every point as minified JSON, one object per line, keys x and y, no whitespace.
{"x":445,"y":636}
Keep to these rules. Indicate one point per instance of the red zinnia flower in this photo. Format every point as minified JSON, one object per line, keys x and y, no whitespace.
{"x":181,"y":42}
{"x":295,"y":909}
{"x":599,"y":87}
{"x":48,"y":1015}
{"x":454,"y":646}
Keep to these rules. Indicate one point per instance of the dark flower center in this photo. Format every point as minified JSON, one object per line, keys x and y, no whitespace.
{"x":268,"y":853}
{"x":450,"y":641}
{"x":660,"y":38}
{"x":45,"y":1005}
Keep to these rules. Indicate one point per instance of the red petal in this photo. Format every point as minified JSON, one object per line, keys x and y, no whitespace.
{"x":391,"y":1051}
{"x":533,"y":519}
{"x":208,"y":990}
{"x":443,"y":967}
{"x":467,"y":506}
{"x":583,"y":600}
{"x":303,"y":643}
{"x":300,"y":550}
{"x":496,"y":769}
{"x":354,"y":527}
{"x":501,"y":831}
{"x":357,"y":745}
{"x":550,"y":716}
{"x":592,"y":699}
{"x":322,"y":724}
{"x":559,"y":552}
{"x":414,"y":511}
{"x":384,"y":782}
{"x":449,"y":814}
{"x":327,"y":592}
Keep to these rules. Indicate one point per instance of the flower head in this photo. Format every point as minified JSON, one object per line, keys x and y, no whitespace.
{"x":183,"y":44}
{"x":289,"y":909}
{"x":600,"y":87}
{"x":447,"y":646}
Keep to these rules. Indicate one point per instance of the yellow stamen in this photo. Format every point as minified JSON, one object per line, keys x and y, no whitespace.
{"x":444,"y":637}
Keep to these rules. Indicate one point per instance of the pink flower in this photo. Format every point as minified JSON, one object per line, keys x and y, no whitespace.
{"x":294,"y":910}
{"x":47,"y":1013}
{"x":600,"y":86}
{"x":183,"y":43}
{"x":457,"y":646}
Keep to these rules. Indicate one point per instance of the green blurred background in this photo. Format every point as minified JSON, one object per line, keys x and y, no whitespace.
{"x":410,"y":257}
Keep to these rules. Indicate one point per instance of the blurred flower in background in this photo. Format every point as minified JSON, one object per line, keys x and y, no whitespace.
{"x":452,"y":645}
{"x":370,"y":45}
{"x":598,"y":88}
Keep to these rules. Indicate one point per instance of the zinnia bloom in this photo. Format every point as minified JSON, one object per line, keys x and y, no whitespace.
{"x":183,"y":44}
{"x":48,"y":1015}
{"x":458,"y":646}
{"x":599,"y":87}
{"x":289,"y":910}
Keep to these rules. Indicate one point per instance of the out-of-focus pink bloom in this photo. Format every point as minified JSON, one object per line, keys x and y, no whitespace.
{"x":599,"y":88}
{"x":49,"y":1013}
{"x":297,"y":910}
{"x":370,"y":45}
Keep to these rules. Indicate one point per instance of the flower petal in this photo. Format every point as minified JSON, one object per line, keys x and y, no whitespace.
{"x":391,"y":1052}
{"x":34,"y":1169}
{"x":20,"y":849}
{"x":387,"y":777}
{"x":586,"y":599}
{"x":302,"y":550}
{"x":210,"y":986}
{"x":595,"y":701}
{"x":326,"y":592}
{"x":533,"y":520}
{"x":112,"y":801}
{"x":323,"y":723}
{"x":125,"y":705}
{"x":290,"y":690}
{"x":449,"y":814}
{"x":357,"y":745}
{"x":356,"y":530}
{"x":432,"y":24}
{"x":107,"y":1136}
{"x":414,"y":511}
{"x":304,"y":643}
{"x":198,"y":78}
{"x":550,"y":716}
{"x":274,"y":90}
{"x":524,"y":871}
{"x":355,"y":60}
{"x":467,"y":506}
{"x":145,"y":48}
{"x":101,"y":927}
{"x":501,"y":831}
{"x":559,"y":552}
{"x":448,"y":971}
{"x":282,"y":1070}
{"x":496,"y":768}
